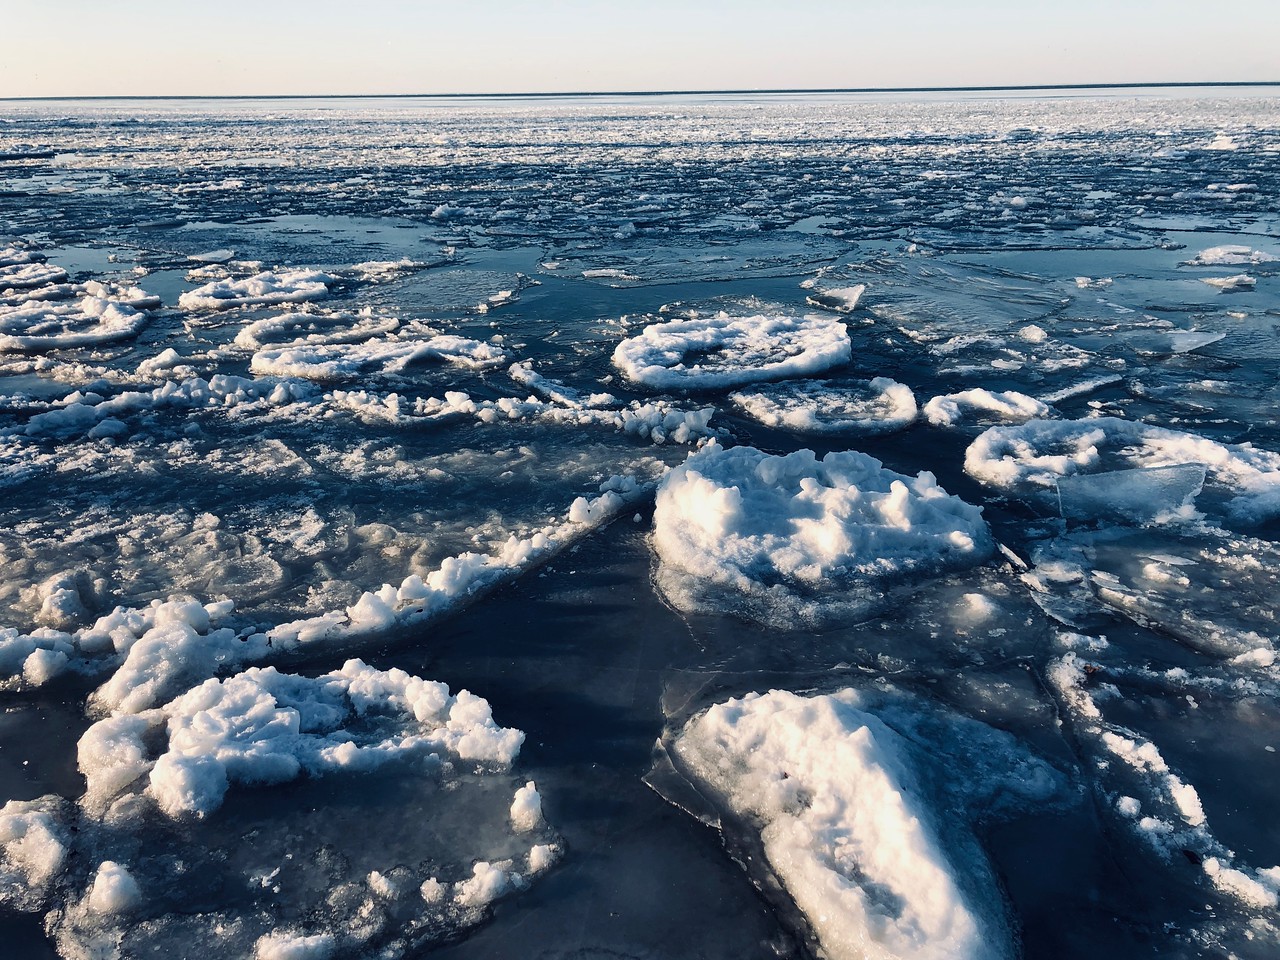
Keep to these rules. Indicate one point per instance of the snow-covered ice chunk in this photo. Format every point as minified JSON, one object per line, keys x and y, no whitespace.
{"x":26,"y":276}
{"x":526,"y":808}
{"x":102,"y":314}
{"x":1145,"y":493}
{"x":1241,"y":281}
{"x":395,"y":409}
{"x":285,"y":286}
{"x":849,"y":828}
{"x":554,"y":390}
{"x":264,"y":727}
{"x":1231,"y":255}
{"x":813,"y":406}
{"x":728,"y":351}
{"x":114,"y":890}
{"x":35,"y":839}
{"x":1037,"y":453}
{"x":951,"y":409}
{"x":768,"y":530}
{"x":307,"y":327}
{"x":333,"y":361}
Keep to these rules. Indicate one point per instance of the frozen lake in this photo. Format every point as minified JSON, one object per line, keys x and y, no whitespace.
{"x":720,"y":526}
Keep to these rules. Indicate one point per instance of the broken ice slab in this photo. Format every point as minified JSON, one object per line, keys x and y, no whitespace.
{"x":1139,"y":494}
{"x":1158,"y":343}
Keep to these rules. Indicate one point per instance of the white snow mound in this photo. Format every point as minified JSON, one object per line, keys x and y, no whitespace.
{"x":953,"y":408}
{"x":262,"y":726}
{"x":844,"y":825}
{"x":761,"y":524}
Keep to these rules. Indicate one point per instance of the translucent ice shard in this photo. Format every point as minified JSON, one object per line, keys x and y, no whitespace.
{"x":1145,"y":493}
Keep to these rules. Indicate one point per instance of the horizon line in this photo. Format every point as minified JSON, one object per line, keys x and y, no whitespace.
{"x":557,"y":94}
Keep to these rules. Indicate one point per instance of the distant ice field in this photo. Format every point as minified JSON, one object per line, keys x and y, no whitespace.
{"x":807,"y":526}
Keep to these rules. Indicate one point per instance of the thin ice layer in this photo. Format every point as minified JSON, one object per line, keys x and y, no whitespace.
{"x":845,"y":826}
{"x":709,"y":353}
{"x":762,"y":525}
{"x":865,"y":407}
{"x":160,"y":649}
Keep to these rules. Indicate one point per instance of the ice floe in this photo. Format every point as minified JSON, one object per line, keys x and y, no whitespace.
{"x":1168,"y":814}
{"x":102,"y":313}
{"x":389,"y":355}
{"x":840,"y":299}
{"x":153,"y":652}
{"x":313,"y":327}
{"x":265,"y":727}
{"x":285,"y":286}
{"x":1147,"y":574}
{"x":778,"y":533}
{"x":1241,"y":281}
{"x":117,"y":881}
{"x":864,"y":407}
{"x":25,"y":276}
{"x":953,"y":408}
{"x":1230,"y":255}
{"x":1036,"y":454}
{"x":871,"y":855}
{"x":726,"y":351}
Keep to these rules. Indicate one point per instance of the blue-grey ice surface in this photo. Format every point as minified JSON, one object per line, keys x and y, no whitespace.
{"x":339,"y":616}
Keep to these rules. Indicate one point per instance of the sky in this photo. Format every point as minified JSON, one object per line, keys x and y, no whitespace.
{"x":59,"y":48}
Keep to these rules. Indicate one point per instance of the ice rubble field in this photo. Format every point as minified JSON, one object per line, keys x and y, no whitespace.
{"x":940,"y":439}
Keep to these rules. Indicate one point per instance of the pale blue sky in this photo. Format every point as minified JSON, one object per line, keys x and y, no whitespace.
{"x":174,"y":47}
